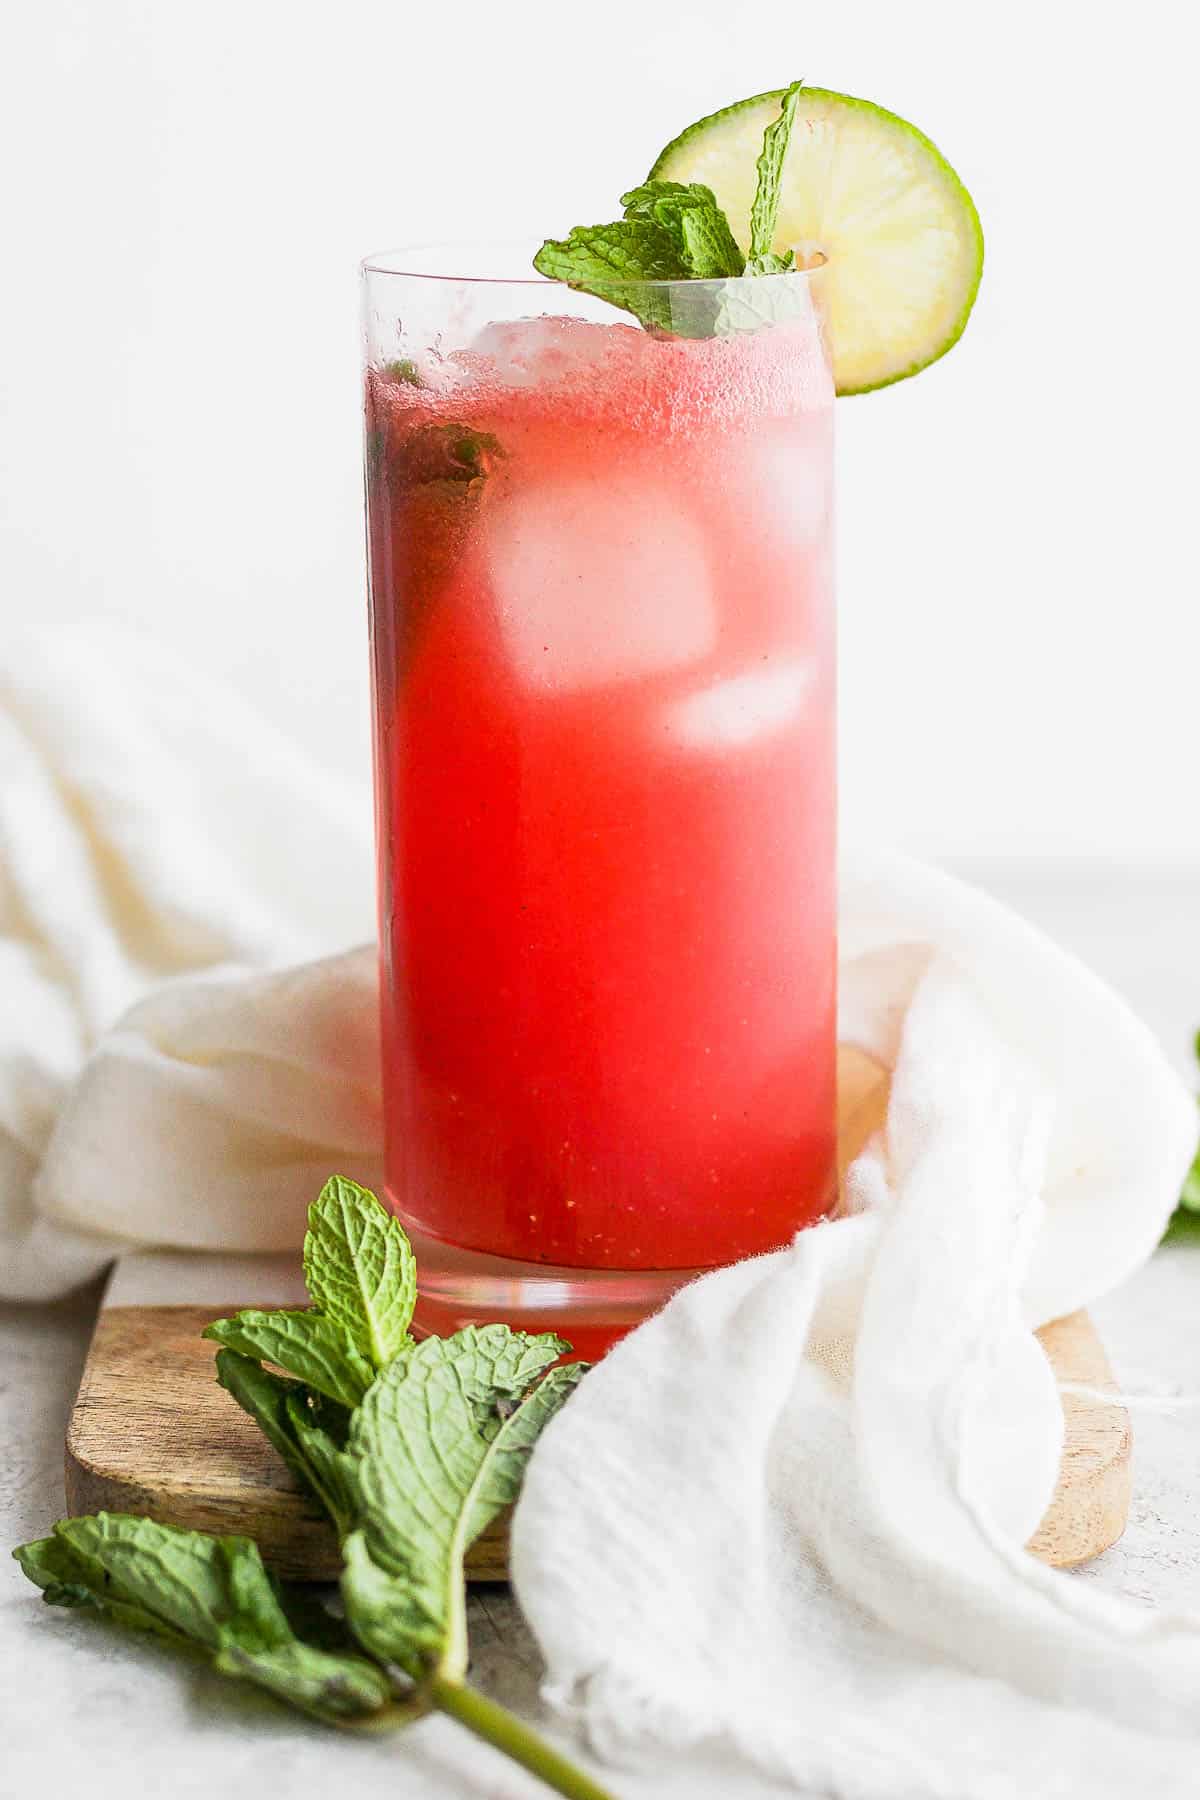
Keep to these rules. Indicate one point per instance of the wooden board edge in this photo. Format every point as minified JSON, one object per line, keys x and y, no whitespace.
{"x":257,"y":1495}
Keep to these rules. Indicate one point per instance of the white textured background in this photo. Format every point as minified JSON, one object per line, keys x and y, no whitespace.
{"x":188,"y":189}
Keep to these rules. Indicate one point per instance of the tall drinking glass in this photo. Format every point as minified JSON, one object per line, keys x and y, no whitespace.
{"x":603,"y":640}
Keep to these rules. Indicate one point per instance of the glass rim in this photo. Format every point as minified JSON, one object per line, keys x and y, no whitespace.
{"x":389,"y":263}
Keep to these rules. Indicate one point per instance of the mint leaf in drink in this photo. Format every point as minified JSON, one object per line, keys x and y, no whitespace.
{"x":404,"y":369}
{"x":375,"y":454}
{"x":764,"y":210}
{"x":308,"y":1345}
{"x":359,"y":1270}
{"x":449,"y":458}
{"x":438,"y":1447}
{"x":472,"y":453}
{"x":209,"y":1592}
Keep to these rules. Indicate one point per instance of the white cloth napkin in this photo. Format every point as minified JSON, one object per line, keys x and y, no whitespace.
{"x":783,"y":1521}
{"x":154,"y":828}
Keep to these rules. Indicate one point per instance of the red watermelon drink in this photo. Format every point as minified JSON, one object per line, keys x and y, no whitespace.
{"x":605,"y":716}
{"x":603,"y":637}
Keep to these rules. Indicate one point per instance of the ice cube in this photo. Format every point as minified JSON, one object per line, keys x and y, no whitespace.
{"x":526,"y":352}
{"x":741,"y":708}
{"x":785,"y":475}
{"x":599,"y":582}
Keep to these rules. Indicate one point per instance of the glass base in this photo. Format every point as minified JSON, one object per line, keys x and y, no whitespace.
{"x":590,"y":1308}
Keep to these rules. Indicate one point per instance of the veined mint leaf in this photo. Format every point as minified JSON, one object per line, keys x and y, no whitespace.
{"x":438,"y":1447}
{"x":309,"y":1345}
{"x":328,"y":1468}
{"x":69,"y":1578}
{"x":615,"y":262}
{"x":765,"y":208}
{"x":672,"y":232}
{"x":179,"y":1578}
{"x":503,"y":1469}
{"x":359,"y":1269}
{"x":211,"y":1592}
{"x":308,"y":1435}
{"x":704,"y":245}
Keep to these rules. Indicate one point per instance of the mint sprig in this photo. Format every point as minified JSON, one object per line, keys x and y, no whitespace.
{"x":675,"y":232}
{"x":764,"y":211}
{"x":411,"y":1449}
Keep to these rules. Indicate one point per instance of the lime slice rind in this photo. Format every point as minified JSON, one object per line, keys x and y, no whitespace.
{"x":878,"y":199}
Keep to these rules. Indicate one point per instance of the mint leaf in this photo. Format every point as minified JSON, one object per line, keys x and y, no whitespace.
{"x":375,"y":453}
{"x":705,"y":248}
{"x":404,"y":369}
{"x":359,"y":1269}
{"x":327,"y":1467}
{"x":307,"y":1433}
{"x":308,"y":1345}
{"x":672,"y":231}
{"x":765,"y":208}
{"x":69,"y":1578}
{"x":615,"y":262}
{"x":438,"y":1448}
{"x":433,"y":453}
{"x":211,"y":1592}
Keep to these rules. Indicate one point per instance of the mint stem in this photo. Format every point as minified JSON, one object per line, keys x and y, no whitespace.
{"x":500,"y":1728}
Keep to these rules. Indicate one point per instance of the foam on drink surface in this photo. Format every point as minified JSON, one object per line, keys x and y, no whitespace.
{"x":619,"y":376}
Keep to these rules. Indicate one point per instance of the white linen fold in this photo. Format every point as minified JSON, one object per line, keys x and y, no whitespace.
{"x":153,"y":827}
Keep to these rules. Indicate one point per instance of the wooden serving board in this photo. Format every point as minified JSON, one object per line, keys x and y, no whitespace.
{"x":151,"y":1432}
